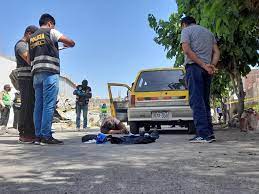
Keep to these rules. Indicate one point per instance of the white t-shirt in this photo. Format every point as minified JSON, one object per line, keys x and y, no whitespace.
{"x":55,"y":35}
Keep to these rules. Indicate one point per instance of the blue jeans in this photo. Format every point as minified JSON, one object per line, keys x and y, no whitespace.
{"x":46,"y":86}
{"x":198,"y":82}
{"x":80,"y":108}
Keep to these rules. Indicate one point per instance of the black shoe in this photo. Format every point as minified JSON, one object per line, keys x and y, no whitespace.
{"x":37,"y":141}
{"x":26,"y":140}
{"x":51,"y":141}
{"x":212,"y":137}
{"x":200,"y":140}
{"x":193,"y":138}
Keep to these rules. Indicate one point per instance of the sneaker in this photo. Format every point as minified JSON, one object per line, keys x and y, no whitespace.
{"x":2,"y":130}
{"x":212,"y":137}
{"x":12,"y":131}
{"x":78,"y":128}
{"x":200,"y":140}
{"x":51,"y":141}
{"x":37,"y":141}
{"x":26,"y":140}
{"x":193,"y":138}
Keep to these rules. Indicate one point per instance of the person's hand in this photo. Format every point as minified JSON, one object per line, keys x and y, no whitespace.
{"x":65,"y":45}
{"x":2,"y":105}
{"x":211,"y":69}
{"x":124,"y":131}
{"x":215,"y":70}
{"x":208,"y":68}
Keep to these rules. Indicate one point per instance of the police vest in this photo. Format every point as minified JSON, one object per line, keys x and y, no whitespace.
{"x":44,"y":54}
{"x":23,"y":68}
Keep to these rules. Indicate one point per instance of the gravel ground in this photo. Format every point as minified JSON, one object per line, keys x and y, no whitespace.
{"x":171,"y":165}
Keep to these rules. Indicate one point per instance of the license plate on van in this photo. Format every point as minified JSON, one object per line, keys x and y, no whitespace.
{"x":160,"y":115}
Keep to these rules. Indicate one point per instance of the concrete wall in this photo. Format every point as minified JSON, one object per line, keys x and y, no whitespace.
{"x":66,"y":88}
{"x":6,"y":67}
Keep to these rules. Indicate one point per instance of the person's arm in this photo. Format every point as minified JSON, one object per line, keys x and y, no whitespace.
{"x":122,"y":128}
{"x":57,"y":36}
{"x":215,"y":55}
{"x":75,"y":92}
{"x":79,"y":93}
{"x":1,"y":100}
{"x":191,"y":55}
{"x":23,"y":51}
{"x":116,"y":132}
{"x":26,"y":57}
{"x":185,"y":41}
{"x":89,"y":93}
{"x":67,"y":42}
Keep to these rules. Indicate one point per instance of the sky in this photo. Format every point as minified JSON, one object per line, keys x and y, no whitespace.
{"x":113,"y":38}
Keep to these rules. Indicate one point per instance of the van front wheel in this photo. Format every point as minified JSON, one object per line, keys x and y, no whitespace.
{"x":134,"y":128}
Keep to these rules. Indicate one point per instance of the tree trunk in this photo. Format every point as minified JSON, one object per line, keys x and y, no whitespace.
{"x":238,"y":89}
{"x":224,"y":110}
{"x":241,"y":97}
{"x":227,"y":109}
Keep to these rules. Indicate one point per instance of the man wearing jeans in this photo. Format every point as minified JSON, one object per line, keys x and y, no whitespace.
{"x":44,"y":57}
{"x":201,"y":57}
{"x":83,"y":94}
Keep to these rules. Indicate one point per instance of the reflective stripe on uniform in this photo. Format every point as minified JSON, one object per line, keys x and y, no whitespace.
{"x":45,"y":57}
{"x":23,"y":74}
{"x":45,"y":65}
{"x":24,"y":68}
{"x":23,"y":71}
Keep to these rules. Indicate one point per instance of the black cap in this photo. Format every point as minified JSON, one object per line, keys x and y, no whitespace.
{"x":84,"y":82}
{"x":188,"y":20}
{"x":31,"y":29}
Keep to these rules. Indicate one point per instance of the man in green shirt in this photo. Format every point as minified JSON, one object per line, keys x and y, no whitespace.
{"x":104,"y":109}
{"x":5,"y":106}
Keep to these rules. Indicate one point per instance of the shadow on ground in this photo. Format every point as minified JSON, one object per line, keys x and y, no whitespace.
{"x":170,"y":165}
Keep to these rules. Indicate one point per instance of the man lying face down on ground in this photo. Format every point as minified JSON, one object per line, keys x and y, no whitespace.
{"x":112,"y":125}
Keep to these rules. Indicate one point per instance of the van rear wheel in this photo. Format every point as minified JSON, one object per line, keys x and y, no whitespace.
{"x":191,"y":128}
{"x":134,"y":128}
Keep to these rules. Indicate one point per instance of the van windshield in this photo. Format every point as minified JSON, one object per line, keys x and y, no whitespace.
{"x":163,"y":80}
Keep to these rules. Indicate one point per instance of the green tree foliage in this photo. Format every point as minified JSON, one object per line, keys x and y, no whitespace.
{"x":235,"y":24}
{"x":168,"y":35}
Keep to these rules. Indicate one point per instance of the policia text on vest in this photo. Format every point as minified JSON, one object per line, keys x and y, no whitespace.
{"x":44,"y":52}
{"x":37,"y":41}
